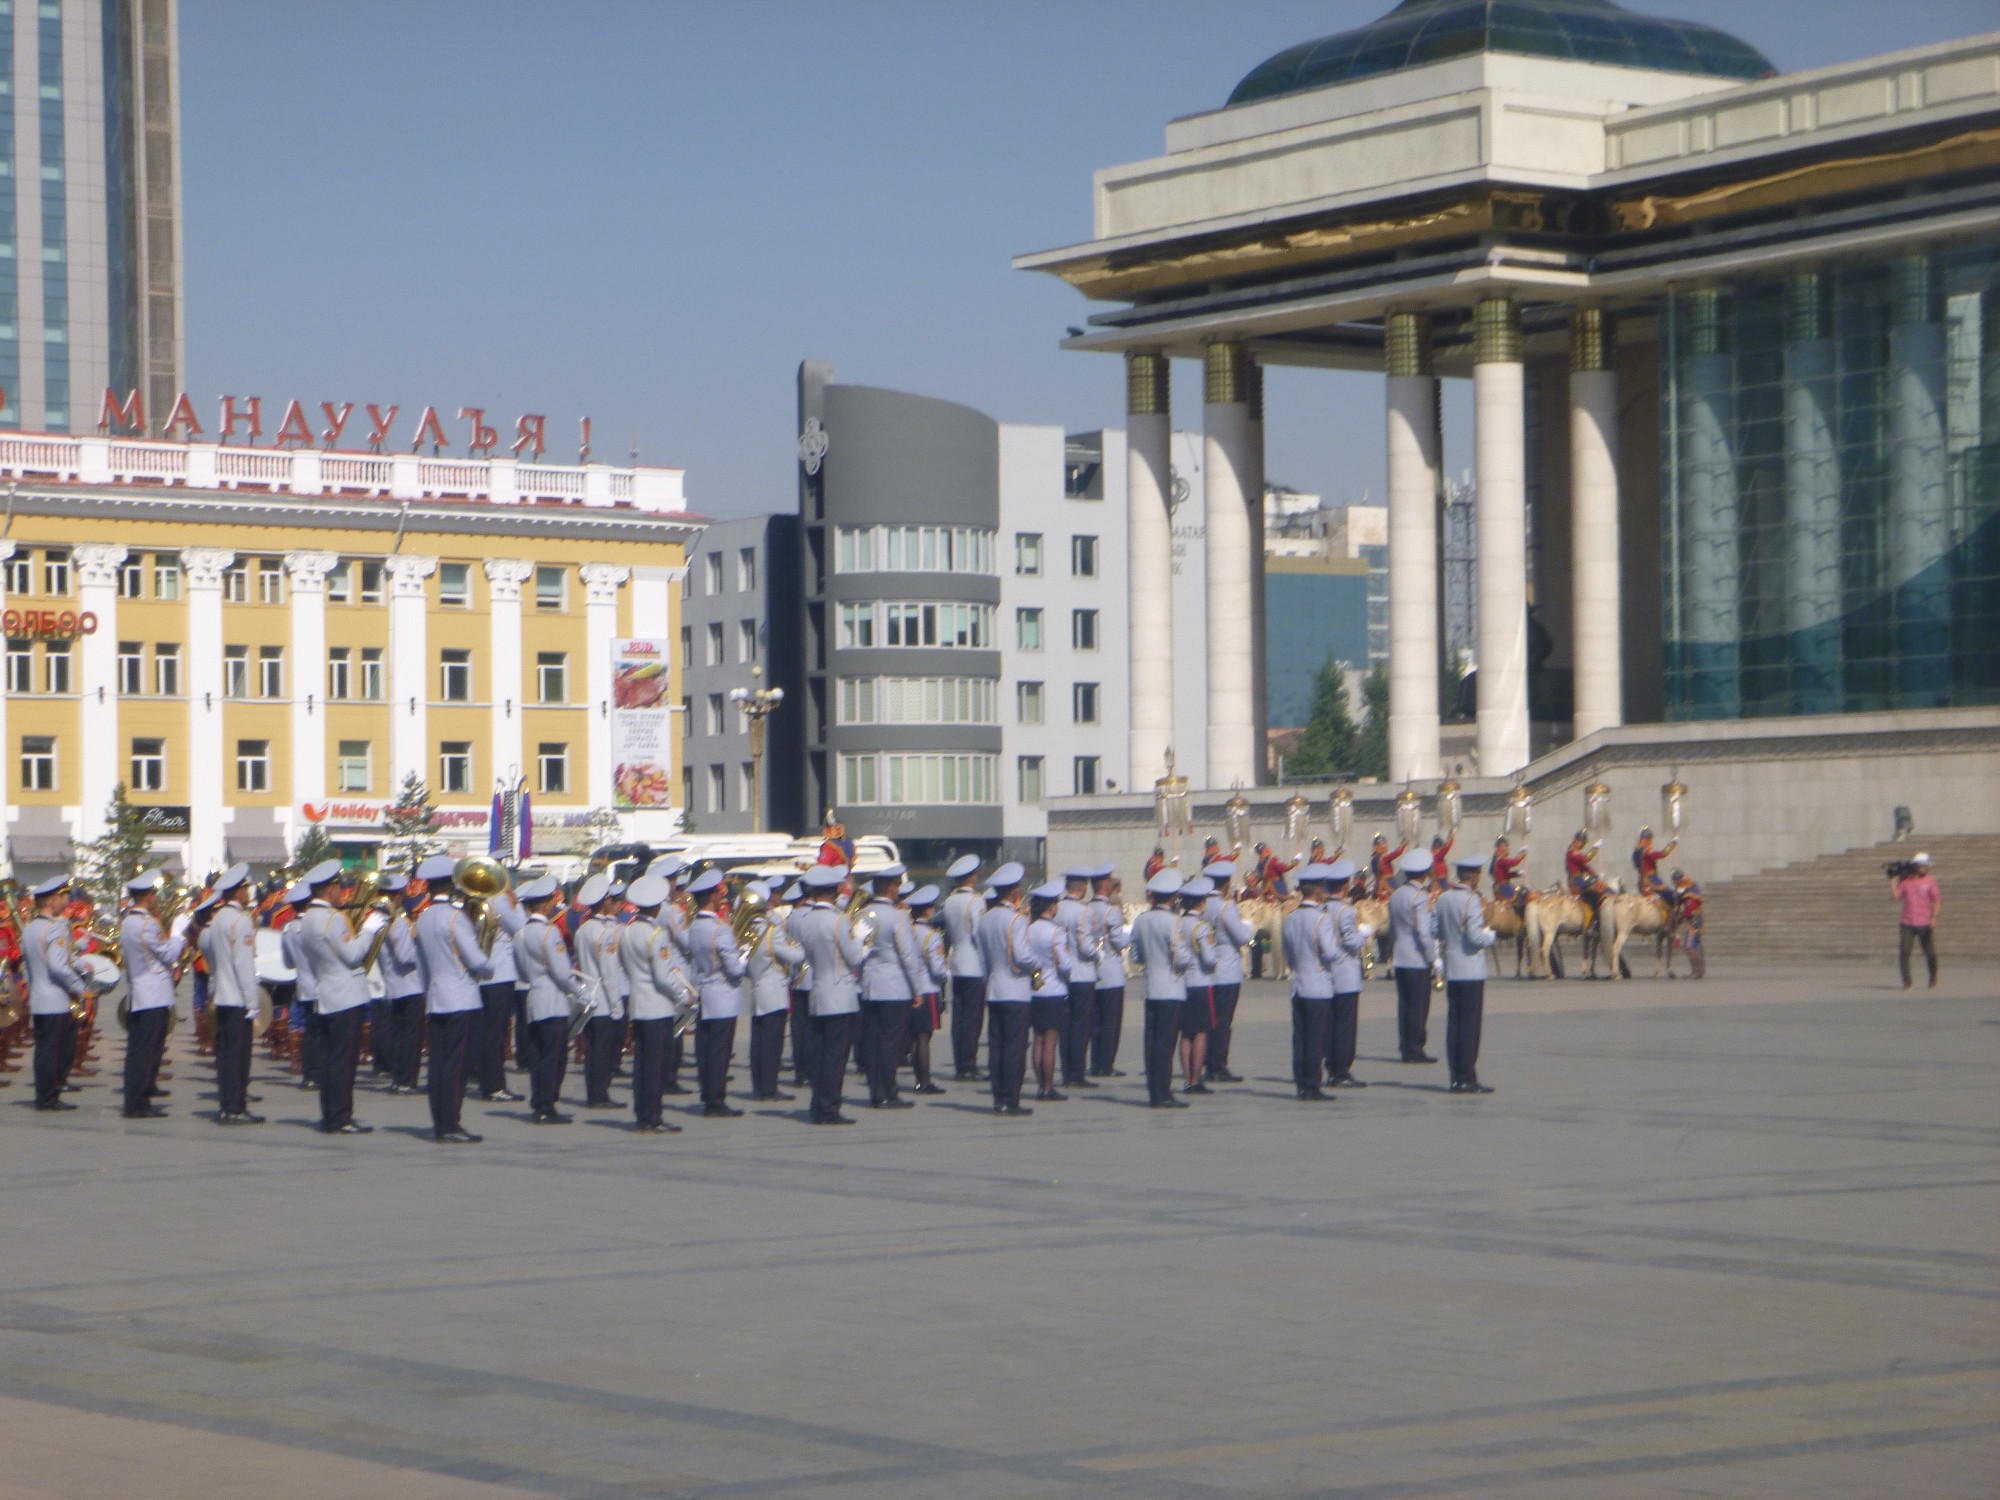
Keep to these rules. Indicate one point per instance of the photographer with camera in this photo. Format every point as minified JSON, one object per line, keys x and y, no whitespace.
{"x":1916,"y":892}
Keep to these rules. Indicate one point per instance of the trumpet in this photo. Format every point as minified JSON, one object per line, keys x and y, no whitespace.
{"x":481,"y":878}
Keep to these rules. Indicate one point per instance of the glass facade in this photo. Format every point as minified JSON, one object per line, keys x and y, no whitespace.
{"x":55,"y":222}
{"x":10,"y":286}
{"x":1831,"y":488}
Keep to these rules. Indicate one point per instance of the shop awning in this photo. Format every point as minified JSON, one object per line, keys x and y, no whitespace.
{"x":258,"y":849}
{"x":40,"y":848}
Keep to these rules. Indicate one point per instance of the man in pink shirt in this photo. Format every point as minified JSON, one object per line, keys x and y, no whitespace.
{"x":1918,"y":897}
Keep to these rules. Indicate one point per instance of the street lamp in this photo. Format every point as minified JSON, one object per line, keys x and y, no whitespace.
{"x":758,"y":704}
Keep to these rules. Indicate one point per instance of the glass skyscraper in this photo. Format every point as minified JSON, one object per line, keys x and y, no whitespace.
{"x":90,"y":252}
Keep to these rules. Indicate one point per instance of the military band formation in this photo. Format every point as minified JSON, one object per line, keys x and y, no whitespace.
{"x":444,"y":962}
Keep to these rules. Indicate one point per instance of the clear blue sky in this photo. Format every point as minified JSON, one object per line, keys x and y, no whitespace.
{"x":650,"y":212}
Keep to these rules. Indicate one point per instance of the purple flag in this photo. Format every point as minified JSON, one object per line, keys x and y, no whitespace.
{"x":495,"y":834}
{"x":527,"y":825}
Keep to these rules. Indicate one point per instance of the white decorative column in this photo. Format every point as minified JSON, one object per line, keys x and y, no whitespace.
{"x":1708,"y":562}
{"x":1413,"y":563}
{"x":1919,"y":488}
{"x":97,"y":683}
{"x":211,"y":767}
{"x":1253,"y":493}
{"x":1812,"y":499}
{"x":600,"y":627}
{"x":1232,"y":753}
{"x":1150,"y":564}
{"x":1593,"y":522}
{"x":1500,"y":519}
{"x":308,"y":572}
{"x":409,"y":670}
{"x":504,"y":577}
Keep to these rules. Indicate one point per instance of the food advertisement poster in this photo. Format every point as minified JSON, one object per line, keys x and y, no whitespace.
{"x":641,"y":724}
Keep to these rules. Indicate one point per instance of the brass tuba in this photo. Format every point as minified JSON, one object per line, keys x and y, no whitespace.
{"x":480,"y":877}
{"x":748,"y":919}
{"x":861,"y":921}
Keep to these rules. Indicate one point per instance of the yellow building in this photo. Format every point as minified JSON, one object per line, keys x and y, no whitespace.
{"x":254,"y":642}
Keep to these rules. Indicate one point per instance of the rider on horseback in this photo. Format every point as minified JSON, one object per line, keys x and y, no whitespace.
{"x":1441,"y":858}
{"x":1504,"y":868}
{"x":1584,"y":883}
{"x":1382,"y":865}
{"x":1646,"y":860}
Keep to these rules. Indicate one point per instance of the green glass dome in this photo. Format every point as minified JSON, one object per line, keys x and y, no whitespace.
{"x":1427,"y":31}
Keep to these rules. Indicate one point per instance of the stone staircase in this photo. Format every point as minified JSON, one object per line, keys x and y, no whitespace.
{"x":1839,"y":907}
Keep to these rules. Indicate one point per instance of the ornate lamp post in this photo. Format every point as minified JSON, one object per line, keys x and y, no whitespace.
{"x":758,"y":704}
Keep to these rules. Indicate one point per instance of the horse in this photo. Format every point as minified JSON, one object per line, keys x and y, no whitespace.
{"x":1267,"y":919}
{"x":1373,"y":911}
{"x":1551,"y":914}
{"x":1629,"y":916}
{"x":1507,"y":923}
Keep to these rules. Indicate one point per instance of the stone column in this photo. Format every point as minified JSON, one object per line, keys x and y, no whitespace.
{"x":1919,"y":488}
{"x":1413,"y":562}
{"x":308,"y":572}
{"x":211,"y":763}
{"x":98,"y":749}
{"x":1593,"y":522}
{"x":1708,"y":558}
{"x":409,"y":669}
{"x":1812,"y":499}
{"x":1253,"y":493}
{"x":504,"y":577}
{"x":1232,"y":757}
{"x":601,"y":582}
{"x":1150,"y":564}
{"x":1500,"y":517}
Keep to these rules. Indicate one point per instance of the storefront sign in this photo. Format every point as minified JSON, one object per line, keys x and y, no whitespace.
{"x":241,"y":421}
{"x":369,"y":815}
{"x":167,"y":822}
{"x":49,"y":624}
{"x":641,"y":723}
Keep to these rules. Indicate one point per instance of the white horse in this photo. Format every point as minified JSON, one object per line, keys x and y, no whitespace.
{"x":1628,"y":916}
{"x":1551,"y":915}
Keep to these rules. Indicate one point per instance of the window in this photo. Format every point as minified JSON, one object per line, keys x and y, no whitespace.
{"x":339,"y":679}
{"x":1028,"y":629}
{"x":20,"y":575}
{"x":1028,"y":702}
{"x":236,"y":584}
{"x":746,"y":784}
{"x":857,"y":625}
{"x":235,"y":671}
{"x":455,"y":669}
{"x":371,"y":583}
{"x":454,"y":585}
{"x":1028,"y":770}
{"x":552,"y":676}
{"x":687,"y":645}
{"x":167,"y":669}
{"x":714,"y":562}
{"x":1083,"y":629}
{"x":340,"y":582}
{"x":918,"y":700}
{"x":939,"y":778}
{"x":371,"y":672}
{"x":551,"y":589}
{"x":1086,"y":776}
{"x":858,"y":778}
{"x":455,"y":766}
{"x":718,"y":777}
{"x":1083,"y":702}
{"x":552,"y":767}
{"x":746,"y":569}
{"x":913,"y":549}
{"x":270,"y":671}
{"x":353,"y":765}
{"x":253,"y":765}
{"x":714,"y":724}
{"x":166,"y":575}
{"x":132,"y":579}
{"x":687,"y":723}
{"x":149,"y":765}
{"x":270,"y":581}
{"x":714,"y":657}
{"x":856,"y":552}
{"x":38,"y":763}
{"x":934,"y":624}
{"x":131,"y":667}
{"x":857,"y":700}
{"x":1083,"y":556}
{"x":55,"y":571}
{"x":20,"y":666}
{"x":55,"y":667}
{"x":1028,"y":552}
{"x":746,"y":642}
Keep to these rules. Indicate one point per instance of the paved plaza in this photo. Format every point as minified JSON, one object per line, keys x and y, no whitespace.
{"x":1736,"y":1238}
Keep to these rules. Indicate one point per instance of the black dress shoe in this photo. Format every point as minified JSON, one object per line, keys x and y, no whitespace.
{"x":1420,"y":1057}
{"x":1116,"y":1073}
{"x":1016,"y":1109}
{"x":720,"y":1112}
{"x":259,"y":1098}
{"x":604,"y":1104}
{"x":350,"y":1128}
{"x":1223,"y":1075}
{"x":1456,"y":1087}
{"x":929,"y":1088}
{"x":59,"y":1104}
{"x":502,"y":1096}
{"x":1197,"y":1088}
{"x":148,"y":1113}
{"x":1080,"y":1083}
{"x":459,"y":1138}
{"x":1476,"y":1087}
{"x":834,"y":1120}
{"x":675,"y":1088}
{"x":1315,"y":1095}
{"x":1052,"y":1096}
{"x":1348,"y":1081}
{"x":663,"y":1128}
{"x":549,"y":1117}
{"x":899,"y":1103}
{"x":1168,"y":1104}
{"x":158,"y":1093}
{"x":244,"y":1118}
{"x":777,"y":1098}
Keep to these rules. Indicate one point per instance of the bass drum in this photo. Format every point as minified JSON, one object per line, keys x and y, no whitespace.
{"x":271,"y":965}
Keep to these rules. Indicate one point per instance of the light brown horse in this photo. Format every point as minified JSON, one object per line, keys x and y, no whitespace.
{"x":1551,"y":915}
{"x":1507,"y":923}
{"x":1267,"y":920}
{"x":1628,"y":916}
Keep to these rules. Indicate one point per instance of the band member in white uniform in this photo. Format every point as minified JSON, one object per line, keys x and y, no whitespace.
{"x":1351,"y":938}
{"x":1009,"y":959}
{"x":338,"y":958}
{"x":1412,"y":929}
{"x":1159,"y":947}
{"x":1198,"y":1010}
{"x":643,"y":951}
{"x":229,"y":943}
{"x":453,"y":965}
{"x":402,"y":983}
{"x":150,"y":956}
{"x":1049,"y":1009}
{"x":719,"y":970}
{"x":48,"y":954}
{"x":959,"y":918}
{"x":927,"y":1010}
{"x":1310,"y":950}
{"x":496,"y":1003}
{"x":1073,"y":915}
{"x":1107,"y":1004}
{"x":892,"y":976}
{"x":1232,"y":936}
{"x":603,"y":974}
{"x":553,"y":983}
{"x":836,"y":956}
{"x":1463,"y":938}
{"x":771,"y":959}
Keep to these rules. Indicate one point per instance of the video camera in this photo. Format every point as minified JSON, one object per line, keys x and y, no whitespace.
{"x":1902,"y":869}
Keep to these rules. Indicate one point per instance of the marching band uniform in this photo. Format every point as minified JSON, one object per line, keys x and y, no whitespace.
{"x":836,"y":956}
{"x":674,"y":923}
{"x":1464,"y":937}
{"x":1108,"y":1000}
{"x":1411,"y":927}
{"x":1049,"y":1007}
{"x":453,"y":965}
{"x":1073,"y":916}
{"x":1198,"y":1009}
{"x":1159,"y":947}
{"x":800,"y":994}
{"x":1232,"y":935}
{"x":229,"y":943}
{"x":305,"y":993}
{"x":937,"y":974}
{"x":892,"y":975}
{"x":496,"y":1001}
{"x":403,"y":989}
{"x":1350,"y":939}
{"x":771,"y":959}
{"x":602,"y":973}
{"x":960,"y":916}
{"x":150,"y":956}
{"x":542,"y":960}
{"x":643,"y":953}
{"x":719,"y":968}
{"x":1308,"y":938}
{"x":48,"y":954}
{"x":1002,"y":936}
{"x":340,"y":985}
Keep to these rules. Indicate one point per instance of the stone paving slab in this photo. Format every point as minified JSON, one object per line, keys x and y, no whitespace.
{"x":1730,"y":1238}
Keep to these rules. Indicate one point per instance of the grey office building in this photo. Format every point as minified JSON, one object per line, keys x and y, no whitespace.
{"x":740,"y":629}
{"x":899,"y":507}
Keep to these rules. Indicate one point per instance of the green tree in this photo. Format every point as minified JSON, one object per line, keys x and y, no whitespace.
{"x":409,"y":827}
{"x":1327,"y":746}
{"x":119,"y":853}
{"x":315,"y":846}
{"x":1371,"y":743}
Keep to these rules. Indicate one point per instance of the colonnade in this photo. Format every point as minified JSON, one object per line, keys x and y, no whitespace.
{"x":1232,"y":415}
